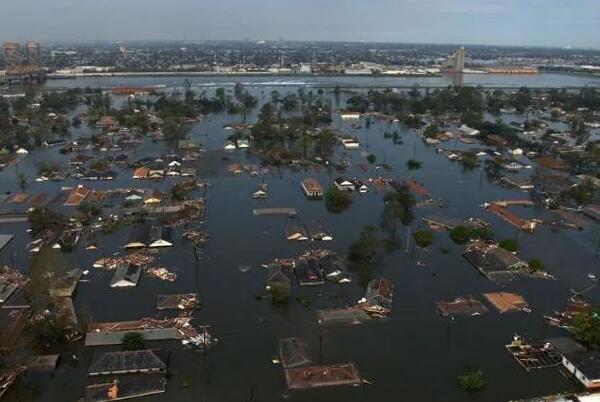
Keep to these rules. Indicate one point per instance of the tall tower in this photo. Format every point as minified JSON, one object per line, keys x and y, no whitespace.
{"x":460,"y":60}
{"x":456,"y":61}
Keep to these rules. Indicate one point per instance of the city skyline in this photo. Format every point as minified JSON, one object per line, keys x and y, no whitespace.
{"x":489,"y":22}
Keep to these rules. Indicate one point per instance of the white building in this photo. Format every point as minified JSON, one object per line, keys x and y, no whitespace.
{"x":466,"y":130}
{"x":582,"y":363}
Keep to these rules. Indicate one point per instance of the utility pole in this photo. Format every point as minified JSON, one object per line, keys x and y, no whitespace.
{"x":320,"y":344}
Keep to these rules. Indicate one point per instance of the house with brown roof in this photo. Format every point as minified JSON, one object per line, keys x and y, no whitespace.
{"x":77,"y":196}
{"x":141,"y":173}
{"x":312,"y":188}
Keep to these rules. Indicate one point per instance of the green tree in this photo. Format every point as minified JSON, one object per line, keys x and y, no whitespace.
{"x":431,"y":131}
{"x":460,"y":234}
{"x":413,"y":164}
{"x":473,"y":380}
{"x":536,"y":265}
{"x":509,"y":244}
{"x":424,"y":238}
{"x":336,"y":200}
{"x":469,"y":160}
{"x":41,"y":219}
{"x":586,"y":327}
{"x":280,"y":296}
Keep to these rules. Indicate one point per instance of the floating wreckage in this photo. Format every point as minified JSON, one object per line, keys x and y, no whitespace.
{"x":162,"y":273}
{"x":135,"y":259}
{"x":188,"y":301}
{"x":112,"y":333}
{"x":463,"y":305}
{"x":533,"y":356}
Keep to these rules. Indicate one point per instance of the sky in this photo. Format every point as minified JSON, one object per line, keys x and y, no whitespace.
{"x":493,"y":22}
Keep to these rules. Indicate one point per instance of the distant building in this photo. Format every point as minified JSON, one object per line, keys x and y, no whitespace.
{"x":456,"y":62}
{"x":22,"y":62}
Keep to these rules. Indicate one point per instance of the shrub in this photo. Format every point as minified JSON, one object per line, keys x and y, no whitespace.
{"x":536,"y":265}
{"x":473,"y":381}
{"x":337,"y":201}
{"x":510,"y":245}
{"x":460,"y":234}
{"x":424,"y":238}
{"x":280,"y":296}
{"x":414,"y":164}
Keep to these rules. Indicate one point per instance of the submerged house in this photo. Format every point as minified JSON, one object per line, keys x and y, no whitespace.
{"x":318,"y":232}
{"x":344,"y":184}
{"x":139,"y":236}
{"x":378,"y":297}
{"x":243,"y":143}
{"x":494,"y":262}
{"x":77,"y":196}
{"x":126,"y":275}
{"x":308,"y":273}
{"x":278,"y":276}
{"x":127,"y":362}
{"x":260,"y":192}
{"x":584,"y":364}
{"x":333,"y":270}
{"x":312,"y":188}
{"x":160,"y":236}
{"x":296,"y":233}
{"x":360,"y":186}
{"x":140,"y":173}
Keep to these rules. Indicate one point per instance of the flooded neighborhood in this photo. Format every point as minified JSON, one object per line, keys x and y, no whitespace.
{"x":320,"y":239}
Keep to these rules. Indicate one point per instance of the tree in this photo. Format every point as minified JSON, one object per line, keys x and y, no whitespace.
{"x":424,"y":238}
{"x":41,"y":219}
{"x":469,"y":160}
{"x":397,"y":209}
{"x":336,"y":200}
{"x":133,"y":341}
{"x":460,"y":234}
{"x":536,"y":265}
{"x":180,"y":191}
{"x":583,"y":193}
{"x":280,"y":296}
{"x":586,"y":327}
{"x":473,"y":380}
{"x":363,"y":253}
{"x":413,"y":164}
{"x":371,"y":158}
{"x":88,"y":210}
{"x":173,"y":131}
{"x":431,"y":131}
{"x":509,"y":244}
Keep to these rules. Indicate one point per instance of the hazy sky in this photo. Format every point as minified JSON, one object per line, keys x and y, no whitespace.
{"x":503,"y":22}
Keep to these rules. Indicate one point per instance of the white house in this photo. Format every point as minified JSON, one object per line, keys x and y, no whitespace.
{"x":350,"y":115}
{"x":466,"y":130}
{"x":579,"y":361}
{"x":516,"y":151}
{"x":350,"y":143}
{"x":243,"y":144}
{"x":344,"y":184}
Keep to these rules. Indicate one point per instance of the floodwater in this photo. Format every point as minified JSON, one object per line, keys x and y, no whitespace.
{"x":415,"y":355}
{"x":486,"y":80}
